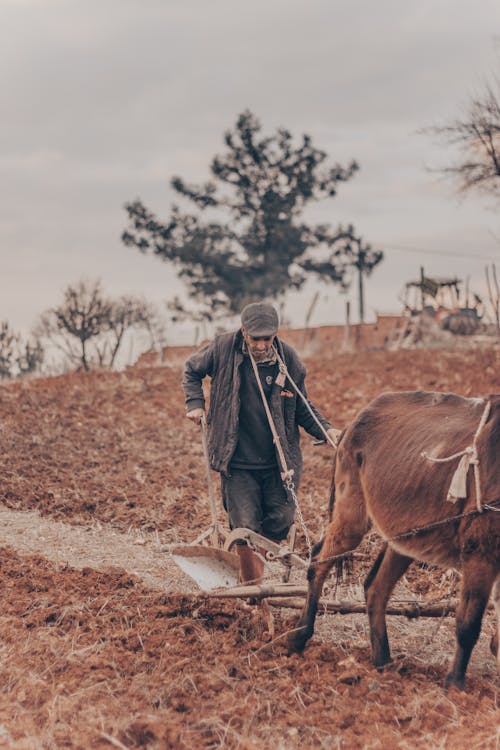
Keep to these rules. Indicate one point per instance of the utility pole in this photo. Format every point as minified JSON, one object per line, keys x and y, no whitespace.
{"x":361,"y":296}
{"x":362,"y":257}
{"x":308,"y":318}
{"x":347,"y":327}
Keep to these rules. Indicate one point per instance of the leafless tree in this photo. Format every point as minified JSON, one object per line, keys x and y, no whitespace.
{"x":81,"y":317}
{"x":88,"y":328}
{"x":18,"y":357}
{"x":155,"y":327}
{"x":477,"y":137}
{"x":125,"y":313}
{"x":30,"y":356}
{"x":8,"y":341}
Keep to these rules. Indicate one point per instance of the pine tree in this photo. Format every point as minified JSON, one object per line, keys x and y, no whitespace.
{"x":247,"y":238}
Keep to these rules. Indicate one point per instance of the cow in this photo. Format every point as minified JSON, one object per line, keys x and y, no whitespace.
{"x":385,"y":478}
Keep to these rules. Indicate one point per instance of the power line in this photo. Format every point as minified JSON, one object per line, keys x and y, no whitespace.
{"x":429,"y":251}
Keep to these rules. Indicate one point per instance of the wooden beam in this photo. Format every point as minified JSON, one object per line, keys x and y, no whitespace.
{"x":292,"y":596}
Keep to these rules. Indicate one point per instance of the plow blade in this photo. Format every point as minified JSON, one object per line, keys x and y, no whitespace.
{"x":209,"y":568}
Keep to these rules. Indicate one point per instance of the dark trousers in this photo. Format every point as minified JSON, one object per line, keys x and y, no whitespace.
{"x":256,"y":499}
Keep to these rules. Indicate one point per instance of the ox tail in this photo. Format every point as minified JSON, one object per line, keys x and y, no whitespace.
{"x":318,"y":546}
{"x":331,"y":503}
{"x":343,"y":565}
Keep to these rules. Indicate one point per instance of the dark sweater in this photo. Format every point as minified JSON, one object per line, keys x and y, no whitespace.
{"x":255,"y":447}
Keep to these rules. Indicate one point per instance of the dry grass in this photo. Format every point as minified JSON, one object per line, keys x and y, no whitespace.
{"x":90,"y":659}
{"x":93,"y":659}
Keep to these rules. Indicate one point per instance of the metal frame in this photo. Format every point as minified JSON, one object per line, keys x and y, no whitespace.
{"x":267,"y":550}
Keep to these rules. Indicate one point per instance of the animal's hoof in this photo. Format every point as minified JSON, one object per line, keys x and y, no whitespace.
{"x":296,"y":642}
{"x":452,"y":681}
{"x":381,"y":666}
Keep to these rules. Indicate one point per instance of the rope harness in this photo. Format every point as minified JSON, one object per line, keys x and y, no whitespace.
{"x":420,"y":529}
{"x":286,"y":473}
{"x":458,"y":489}
{"x":458,"y":486}
{"x":284,"y":371}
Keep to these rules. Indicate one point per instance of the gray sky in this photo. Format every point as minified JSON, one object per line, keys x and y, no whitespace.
{"x":103,"y":102}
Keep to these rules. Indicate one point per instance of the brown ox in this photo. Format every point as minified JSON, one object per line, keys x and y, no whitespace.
{"x":382,"y":480}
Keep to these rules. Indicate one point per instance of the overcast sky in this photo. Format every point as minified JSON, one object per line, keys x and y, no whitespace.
{"x":102,"y":101}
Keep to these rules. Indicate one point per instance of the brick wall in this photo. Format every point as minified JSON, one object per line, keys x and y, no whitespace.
{"x":324,"y":340}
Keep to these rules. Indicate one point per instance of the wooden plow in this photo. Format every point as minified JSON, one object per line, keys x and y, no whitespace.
{"x":210,"y":562}
{"x":293,"y":597}
{"x":216,"y":568}
{"x":215,"y":571}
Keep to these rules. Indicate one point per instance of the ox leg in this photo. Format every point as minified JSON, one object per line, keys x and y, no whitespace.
{"x":477,"y":582}
{"x":495,"y":595}
{"x":379,"y":585}
{"x":338,"y":540}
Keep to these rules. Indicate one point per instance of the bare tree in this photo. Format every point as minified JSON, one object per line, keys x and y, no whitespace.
{"x":8,"y":341}
{"x":477,"y":137}
{"x":81,"y":317}
{"x":18,"y":357}
{"x":125,"y":313}
{"x":88,"y":328}
{"x":30,"y":357}
{"x":155,"y":326}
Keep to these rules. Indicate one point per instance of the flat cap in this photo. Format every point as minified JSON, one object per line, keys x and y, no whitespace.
{"x":260,"y":319}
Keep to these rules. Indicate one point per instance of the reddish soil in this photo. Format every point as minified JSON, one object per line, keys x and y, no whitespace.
{"x":95,"y":659}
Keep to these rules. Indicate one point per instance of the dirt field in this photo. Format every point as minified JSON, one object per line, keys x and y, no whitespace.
{"x":98,"y":652}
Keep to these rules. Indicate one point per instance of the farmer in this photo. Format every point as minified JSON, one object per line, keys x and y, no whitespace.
{"x":252,"y":463}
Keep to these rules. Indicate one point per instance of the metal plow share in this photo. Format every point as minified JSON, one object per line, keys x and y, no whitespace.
{"x":209,"y":560}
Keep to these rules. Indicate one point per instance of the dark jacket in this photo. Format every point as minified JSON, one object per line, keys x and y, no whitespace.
{"x":221,"y":360}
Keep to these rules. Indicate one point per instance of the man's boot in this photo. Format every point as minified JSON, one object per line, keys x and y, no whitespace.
{"x":252,"y":573}
{"x":251,"y":567}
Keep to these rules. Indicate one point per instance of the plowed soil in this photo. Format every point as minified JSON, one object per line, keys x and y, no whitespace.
{"x":96,"y":653}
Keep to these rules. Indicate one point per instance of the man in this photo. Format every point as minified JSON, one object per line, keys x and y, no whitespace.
{"x":241,"y":445}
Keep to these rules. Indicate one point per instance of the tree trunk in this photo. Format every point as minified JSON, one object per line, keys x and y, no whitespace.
{"x":361,"y":291}
{"x":84,"y":356}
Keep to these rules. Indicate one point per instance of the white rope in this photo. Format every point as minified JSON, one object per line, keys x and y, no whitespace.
{"x":458,"y":485}
{"x":284,"y":370}
{"x":286,"y":473}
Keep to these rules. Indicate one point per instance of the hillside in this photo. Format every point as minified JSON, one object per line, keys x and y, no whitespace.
{"x":100,"y":657}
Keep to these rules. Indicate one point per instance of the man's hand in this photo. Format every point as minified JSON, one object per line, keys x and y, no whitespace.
{"x":334,"y":435}
{"x":195,"y":415}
